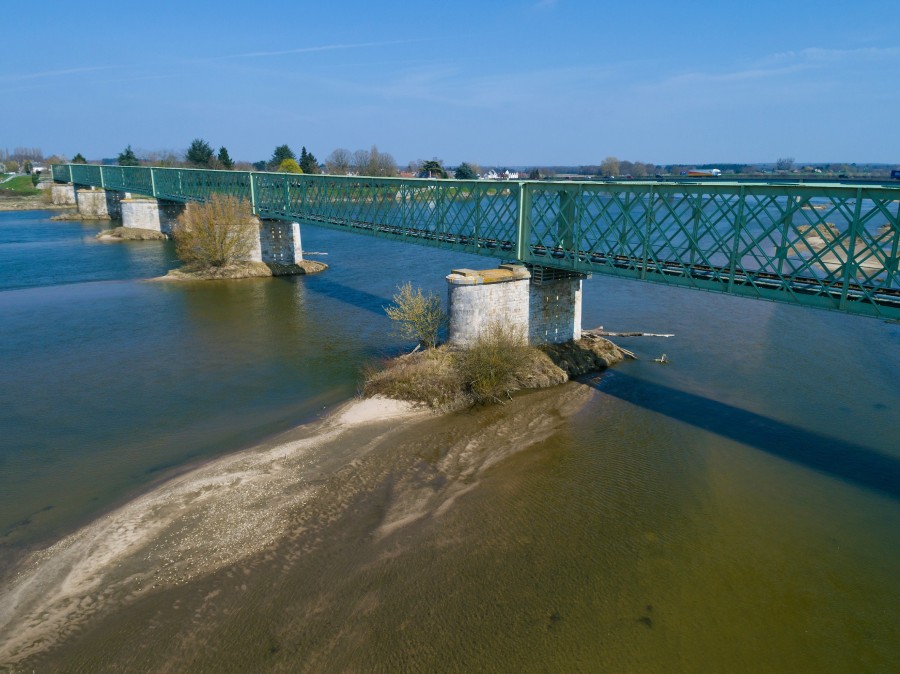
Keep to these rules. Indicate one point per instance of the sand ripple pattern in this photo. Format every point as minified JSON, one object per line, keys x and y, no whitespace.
{"x":194,"y":524}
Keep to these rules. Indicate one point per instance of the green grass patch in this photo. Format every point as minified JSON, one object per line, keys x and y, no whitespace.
{"x":20,"y":186}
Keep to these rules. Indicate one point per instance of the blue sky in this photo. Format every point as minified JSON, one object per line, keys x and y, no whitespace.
{"x":543,"y":82}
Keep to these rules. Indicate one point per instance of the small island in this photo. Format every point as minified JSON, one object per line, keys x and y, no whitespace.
{"x":243,"y":269}
{"x":500,"y":362}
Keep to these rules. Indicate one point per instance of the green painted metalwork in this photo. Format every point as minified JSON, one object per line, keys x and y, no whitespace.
{"x":825,"y":245}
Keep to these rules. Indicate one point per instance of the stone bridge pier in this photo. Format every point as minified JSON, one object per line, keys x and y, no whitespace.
{"x":62,"y":194}
{"x":158,"y":215}
{"x":276,"y":242}
{"x":540,"y":303}
{"x":279,"y":242}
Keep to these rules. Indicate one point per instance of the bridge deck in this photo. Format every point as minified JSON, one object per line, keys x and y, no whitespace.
{"x":833,"y":246}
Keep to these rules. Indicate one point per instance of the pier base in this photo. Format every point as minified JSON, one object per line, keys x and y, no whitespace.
{"x":62,"y":194}
{"x":544,"y":307}
{"x":98,"y":204}
{"x":279,"y":242}
{"x":156,"y":214}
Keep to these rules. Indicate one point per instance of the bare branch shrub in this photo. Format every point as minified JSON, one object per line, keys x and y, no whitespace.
{"x":417,"y":316}
{"x":217,"y":233}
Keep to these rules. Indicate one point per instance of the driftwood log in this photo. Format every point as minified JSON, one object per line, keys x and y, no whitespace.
{"x":600,"y":332}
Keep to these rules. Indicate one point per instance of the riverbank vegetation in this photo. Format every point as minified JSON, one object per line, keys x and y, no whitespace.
{"x":218,"y":233}
{"x":19,"y":186}
{"x":216,"y":239}
{"x":500,"y":362}
{"x":21,"y":194}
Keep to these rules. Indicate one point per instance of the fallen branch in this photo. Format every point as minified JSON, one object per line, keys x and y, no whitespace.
{"x":628,"y":353}
{"x":600,"y":332}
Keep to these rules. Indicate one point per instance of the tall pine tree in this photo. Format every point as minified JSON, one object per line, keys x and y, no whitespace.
{"x":281,"y":153}
{"x":128,"y":158}
{"x":308,"y":161}
{"x":225,"y":159}
{"x":199,"y":153}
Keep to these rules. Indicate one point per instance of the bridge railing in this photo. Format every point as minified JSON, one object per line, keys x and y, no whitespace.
{"x":833,"y":246}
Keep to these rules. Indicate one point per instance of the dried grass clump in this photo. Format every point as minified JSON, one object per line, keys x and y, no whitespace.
{"x":500,"y":362}
{"x":218,"y":233}
{"x":490,"y":370}
{"x":428,"y":377}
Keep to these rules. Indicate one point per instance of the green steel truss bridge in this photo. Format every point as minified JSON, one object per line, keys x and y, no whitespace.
{"x":823,"y":245}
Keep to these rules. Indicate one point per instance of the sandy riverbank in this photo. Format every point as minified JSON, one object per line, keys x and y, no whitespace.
{"x":272,"y":505}
{"x":210,"y":517}
{"x":36,"y":202}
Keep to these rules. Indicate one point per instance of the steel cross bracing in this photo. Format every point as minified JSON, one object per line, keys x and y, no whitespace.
{"x":824,"y":245}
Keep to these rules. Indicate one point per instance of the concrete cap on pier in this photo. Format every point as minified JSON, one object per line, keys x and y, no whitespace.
{"x":505,"y":272}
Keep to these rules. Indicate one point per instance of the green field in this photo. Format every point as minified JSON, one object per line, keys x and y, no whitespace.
{"x":20,"y":185}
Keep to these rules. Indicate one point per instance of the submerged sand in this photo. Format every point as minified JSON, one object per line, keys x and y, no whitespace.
{"x":273,"y":505}
{"x":213,"y":516}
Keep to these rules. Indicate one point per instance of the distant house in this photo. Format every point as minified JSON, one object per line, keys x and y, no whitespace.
{"x":503,"y":175}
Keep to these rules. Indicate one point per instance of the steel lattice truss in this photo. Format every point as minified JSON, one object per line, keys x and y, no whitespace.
{"x":823,"y":245}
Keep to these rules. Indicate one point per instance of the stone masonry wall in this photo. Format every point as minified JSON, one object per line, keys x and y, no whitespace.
{"x":555,"y":311}
{"x":475,"y":308}
{"x":99,"y":204}
{"x":62,"y":194}
{"x":280,"y":242}
{"x":478,"y":301}
{"x":160,"y":216}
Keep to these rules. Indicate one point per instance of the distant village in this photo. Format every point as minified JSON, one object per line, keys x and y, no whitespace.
{"x":33,"y":162}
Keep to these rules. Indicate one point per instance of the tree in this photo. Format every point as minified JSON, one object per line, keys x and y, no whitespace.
{"x":466,"y":171}
{"x":308,"y":161}
{"x":79,"y":159}
{"x":339,"y":162}
{"x":417,"y":316}
{"x":433,"y":169}
{"x":260,"y":165}
{"x":128,"y":158}
{"x":609,"y":166}
{"x":534,"y":174}
{"x":225,"y":159}
{"x":784,"y":164}
{"x":199,"y":153}
{"x":289,"y":166}
{"x":281,"y":153}
{"x":381,"y":163}
{"x":638,"y":170}
{"x":217,"y":233}
{"x":374,"y":163}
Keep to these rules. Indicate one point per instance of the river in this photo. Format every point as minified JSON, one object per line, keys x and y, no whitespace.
{"x":737,"y":509}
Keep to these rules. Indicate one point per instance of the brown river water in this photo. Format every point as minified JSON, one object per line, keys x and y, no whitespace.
{"x":735,"y":510}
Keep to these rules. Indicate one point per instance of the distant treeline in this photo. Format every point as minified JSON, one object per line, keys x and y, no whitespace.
{"x":615,"y":168}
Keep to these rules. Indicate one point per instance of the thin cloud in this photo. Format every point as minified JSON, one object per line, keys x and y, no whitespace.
{"x":53,"y":73}
{"x":751,"y":74}
{"x":821,"y":55}
{"x":308,"y":50}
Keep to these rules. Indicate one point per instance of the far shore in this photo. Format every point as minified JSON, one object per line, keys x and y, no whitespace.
{"x":30,"y":203}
